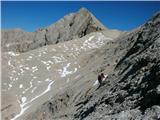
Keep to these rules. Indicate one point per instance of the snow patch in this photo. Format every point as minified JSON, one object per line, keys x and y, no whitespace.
{"x":22,"y":71}
{"x":10,"y":85}
{"x":58,"y":59}
{"x":48,"y":80}
{"x":48,"y":89}
{"x":24,"y":103}
{"x":13,"y":54}
{"x":29,"y":58}
{"x":24,"y":99}
{"x":9,"y":63}
{"x":75,"y":70}
{"x":34,"y":68}
{"x":44,"y":62}
{"x":27,"y":68}
{"x":95,"y":83}
{"x":34,"y":89}
{"x":23,"y":109}
{"x":44,"y":52}
{"x":34,"y":77}
{"x":90,"y":38}
{"x":21,"y":86}
{"x":64,"y":71}
{"x":50,"y":62}
{"x":48,"y":68}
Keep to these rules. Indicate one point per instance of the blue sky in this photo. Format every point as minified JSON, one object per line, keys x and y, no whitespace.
{"x":30,"y":16}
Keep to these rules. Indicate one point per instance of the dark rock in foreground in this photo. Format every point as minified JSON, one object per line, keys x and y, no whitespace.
{"x":133,"y":92}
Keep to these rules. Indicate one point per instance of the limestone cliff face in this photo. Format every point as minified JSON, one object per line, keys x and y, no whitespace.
{"x":74,"y":25}
{"x":16,"y":40}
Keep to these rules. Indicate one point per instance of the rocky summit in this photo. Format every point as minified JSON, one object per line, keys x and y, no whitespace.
{"x":74,"y":25}
{"x":51,"y":74}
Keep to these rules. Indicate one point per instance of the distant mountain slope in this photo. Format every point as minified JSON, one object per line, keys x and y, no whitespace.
{"x":74,"y":25}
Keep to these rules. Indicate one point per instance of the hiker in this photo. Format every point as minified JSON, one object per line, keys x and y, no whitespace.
{"x":102,"y":76}
{"x":100,"y":79}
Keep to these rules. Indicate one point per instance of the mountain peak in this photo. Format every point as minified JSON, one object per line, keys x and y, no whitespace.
{"x":83,"y":9}
{"x":71,"y":26}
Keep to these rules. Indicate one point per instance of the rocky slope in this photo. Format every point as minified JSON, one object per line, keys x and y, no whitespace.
{"x":132,"y":89}
{"x":59,"y":82}
{"x":74,"y":25}
{"x":31,"y":78}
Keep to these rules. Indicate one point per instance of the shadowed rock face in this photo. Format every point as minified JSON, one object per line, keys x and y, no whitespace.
{"x":132,"y":89}
{"x":74,"y":25}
